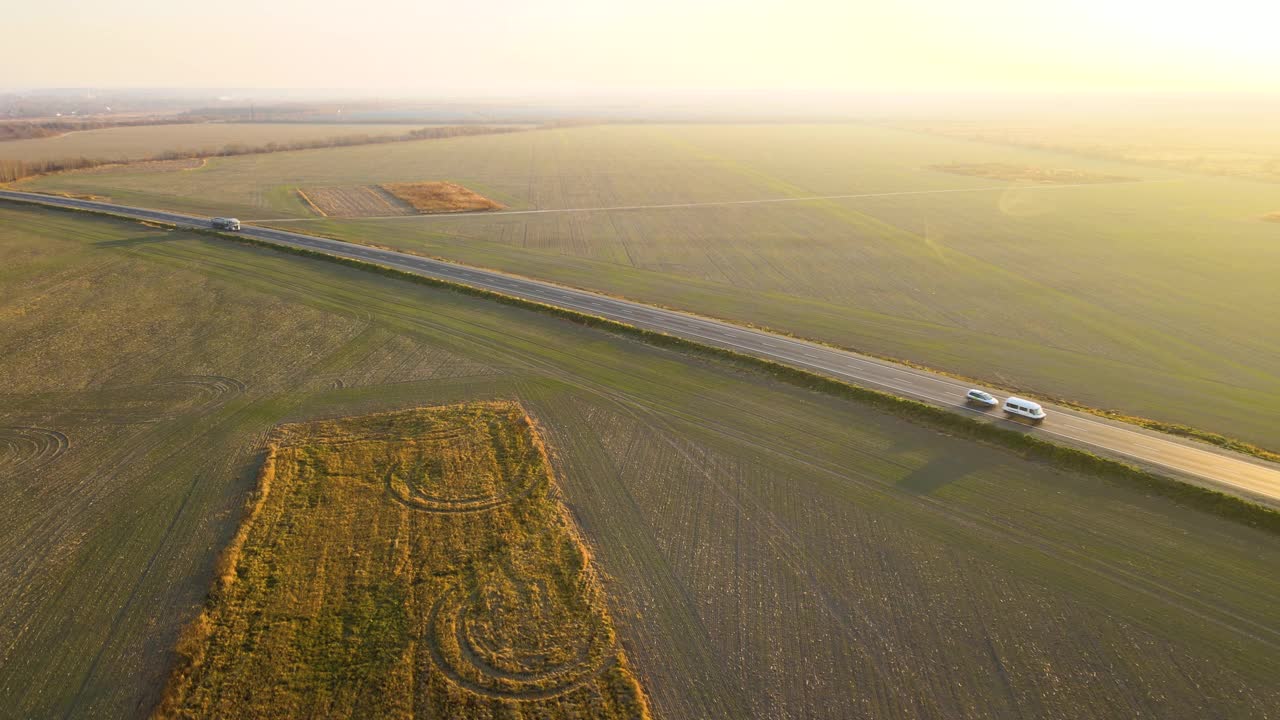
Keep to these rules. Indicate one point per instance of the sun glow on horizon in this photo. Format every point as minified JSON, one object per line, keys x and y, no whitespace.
{"x":576,"y":45}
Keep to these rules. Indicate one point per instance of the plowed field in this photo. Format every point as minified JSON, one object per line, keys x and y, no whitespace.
{"x":354,"y":201}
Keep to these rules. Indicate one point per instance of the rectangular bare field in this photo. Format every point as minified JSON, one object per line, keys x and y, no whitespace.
{"x":1015,"y":173}
{"x":440,"y":197}
{"x":407,"y":564}
{"x":353,"y":201}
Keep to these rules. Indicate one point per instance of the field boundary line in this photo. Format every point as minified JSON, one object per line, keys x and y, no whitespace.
{"x":312,"y":205}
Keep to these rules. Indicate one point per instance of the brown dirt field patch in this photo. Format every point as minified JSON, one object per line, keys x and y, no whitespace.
{"x":441,"y":197}
{"x":1028,"y":173}
{"x":1272,"y":217}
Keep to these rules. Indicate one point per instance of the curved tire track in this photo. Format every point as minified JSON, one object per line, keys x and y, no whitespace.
{"x":572,"y":675}
{"x":25,"y":448}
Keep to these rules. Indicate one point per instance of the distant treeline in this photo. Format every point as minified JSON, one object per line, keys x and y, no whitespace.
{"x":11,"y":170}
{"x":29,"y":130}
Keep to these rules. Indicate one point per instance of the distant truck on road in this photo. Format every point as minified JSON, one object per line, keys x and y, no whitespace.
{"x":225,"y":223}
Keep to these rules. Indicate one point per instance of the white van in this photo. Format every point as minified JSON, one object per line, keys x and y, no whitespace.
{"x":1025,"y":408}
{"x":221,"y":223}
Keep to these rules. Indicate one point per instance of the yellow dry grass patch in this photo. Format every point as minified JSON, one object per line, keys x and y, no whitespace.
{"x":440,"y":197}
{"x":1028,"y":173}
{"x":409,"y":564}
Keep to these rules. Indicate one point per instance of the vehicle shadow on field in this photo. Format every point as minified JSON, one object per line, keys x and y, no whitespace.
{"x":943,"y":467}
{"x":132,"y":241}
{"x":937,"y":473}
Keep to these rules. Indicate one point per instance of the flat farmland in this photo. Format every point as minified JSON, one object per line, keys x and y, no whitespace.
{"x":763,"y":551}
{"x":1232,"y":143}
{"x":134,"y":143}
{"x":1153,"y":298}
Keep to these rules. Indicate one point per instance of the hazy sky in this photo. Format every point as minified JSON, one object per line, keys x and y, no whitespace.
{"x":500,"y":46}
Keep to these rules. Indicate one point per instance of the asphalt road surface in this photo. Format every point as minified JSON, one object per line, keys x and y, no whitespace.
{"x":1197,"y":462}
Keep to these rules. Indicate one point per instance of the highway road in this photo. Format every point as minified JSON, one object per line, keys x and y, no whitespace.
{"x":1190,"y":460}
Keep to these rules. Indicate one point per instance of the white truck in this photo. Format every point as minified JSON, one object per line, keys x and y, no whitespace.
{"x":221,"y":223}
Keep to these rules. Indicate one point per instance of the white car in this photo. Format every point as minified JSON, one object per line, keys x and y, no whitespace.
{"x":979,"y":397}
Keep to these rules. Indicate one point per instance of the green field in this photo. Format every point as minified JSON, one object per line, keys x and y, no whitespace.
{"x":1232,"y":143}
{"x":766,"y":551}
{"x":135,"y":143}
{"x":1155,"y":298}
